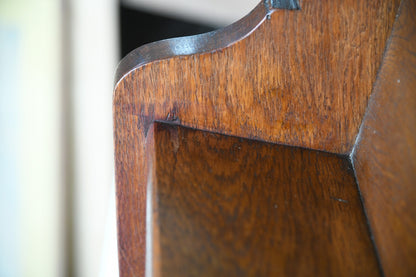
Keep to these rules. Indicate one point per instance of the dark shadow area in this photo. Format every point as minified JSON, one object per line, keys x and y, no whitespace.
{"x":139,"y":27}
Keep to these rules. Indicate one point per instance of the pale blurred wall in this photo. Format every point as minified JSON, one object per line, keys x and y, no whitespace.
{"x":30,"y":146}
{"x":94,"y":50}
{"x":53,"y":51}
{"x":212,"y":12}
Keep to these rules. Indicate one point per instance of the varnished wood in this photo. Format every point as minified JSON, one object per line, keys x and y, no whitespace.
{"x":227,"y":206}
{"x":385,"y":157}
{"x":301,"y":78}
{"x":295,"y":77}
{"x":199,"y":44}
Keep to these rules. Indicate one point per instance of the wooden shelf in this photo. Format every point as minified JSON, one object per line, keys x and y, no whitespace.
{"x":329,"y":90}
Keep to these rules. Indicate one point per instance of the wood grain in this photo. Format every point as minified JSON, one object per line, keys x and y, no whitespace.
{"x":296,"y":77}
{"x":385,"y":154}
{"x":203,"y":43}
{"x":301,"y":78}
{"x":226,"y":206}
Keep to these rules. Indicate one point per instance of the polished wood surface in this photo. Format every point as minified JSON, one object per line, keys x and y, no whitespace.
{"x":385,"y":156}
{"x":226,"y":206}
{"x":299,"y":77}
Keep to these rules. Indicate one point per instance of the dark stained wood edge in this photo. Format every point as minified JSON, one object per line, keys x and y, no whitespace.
{"x":370,"y":230}
{"x":352,"y":155}
{"x":384,"y":153}
{"x":203,"y":43}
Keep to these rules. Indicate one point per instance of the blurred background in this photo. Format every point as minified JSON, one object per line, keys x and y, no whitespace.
{"x":57,"y":64}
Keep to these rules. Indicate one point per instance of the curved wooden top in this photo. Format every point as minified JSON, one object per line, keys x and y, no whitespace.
{"x":203,"y":43}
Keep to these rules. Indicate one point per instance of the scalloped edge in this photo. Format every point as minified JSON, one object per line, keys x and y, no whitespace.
{"x":202,"y":43}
